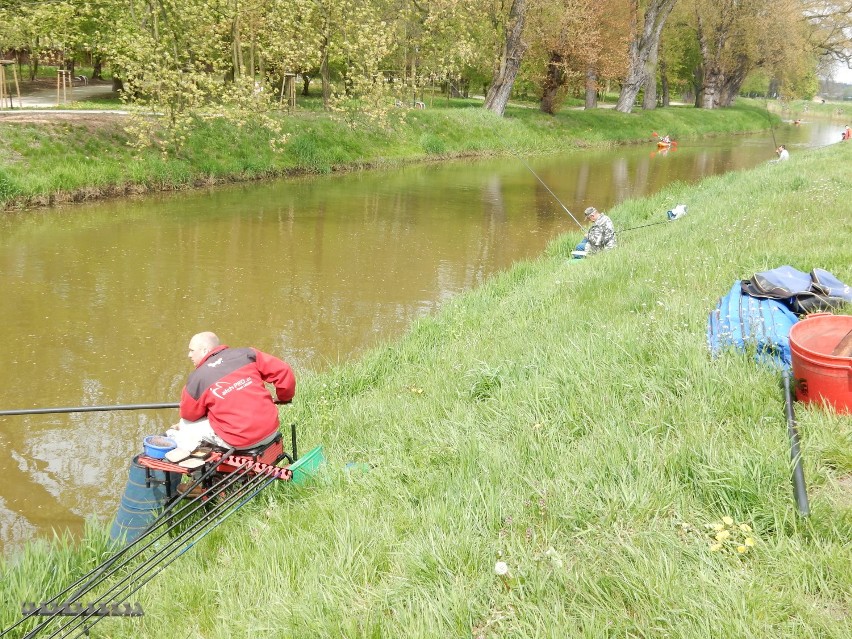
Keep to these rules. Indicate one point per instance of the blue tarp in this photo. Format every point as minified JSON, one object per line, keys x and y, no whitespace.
{"x":741,"y":321}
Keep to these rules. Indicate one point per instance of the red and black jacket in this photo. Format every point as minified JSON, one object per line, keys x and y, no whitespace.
{"x":228,"y":388}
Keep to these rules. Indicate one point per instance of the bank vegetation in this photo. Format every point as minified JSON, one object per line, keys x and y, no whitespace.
{"x":49,"y":159}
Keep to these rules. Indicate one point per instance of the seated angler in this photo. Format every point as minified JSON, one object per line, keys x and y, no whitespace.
{"x":225,"y":400}
{"x":599,"y":237}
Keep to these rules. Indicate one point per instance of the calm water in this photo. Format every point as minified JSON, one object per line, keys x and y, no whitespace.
{"x":99,"y":302}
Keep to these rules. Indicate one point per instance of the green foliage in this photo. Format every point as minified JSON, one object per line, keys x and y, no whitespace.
{"x":432,"y":144}
{"x":8,"y":189}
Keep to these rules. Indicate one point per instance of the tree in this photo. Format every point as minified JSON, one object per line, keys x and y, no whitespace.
{"x":509,"y":59}
{"x":832,"y":29}
{"x":679,"y":54}
{"x":738,"y":36}
{"x":450,"y":40}
{"x":291,"y":41}
{"x":642,"y":49}
{"x":564,"y":37}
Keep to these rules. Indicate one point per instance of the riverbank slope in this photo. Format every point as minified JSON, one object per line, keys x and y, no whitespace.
{"x":53,"y":158}
{"x":564,"y":419}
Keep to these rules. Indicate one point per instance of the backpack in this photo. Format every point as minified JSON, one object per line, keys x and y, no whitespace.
{"x":801,"y":292}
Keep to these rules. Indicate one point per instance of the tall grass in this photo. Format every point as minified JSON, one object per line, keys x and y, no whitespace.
{"x":565,"y":419}
{"x":52,"y":162}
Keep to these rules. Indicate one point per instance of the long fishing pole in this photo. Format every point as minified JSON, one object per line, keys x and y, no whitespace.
{"x":100,"y":572}
{"x":771,"y":125}
{"x":642,"y":226}
{"x":93,"y":409}
{"x":548,"y":189}
{"x":799,"y":490}
{"x":87,"y":409}
{"x":185,"y":541}
{"x":133,"y":550}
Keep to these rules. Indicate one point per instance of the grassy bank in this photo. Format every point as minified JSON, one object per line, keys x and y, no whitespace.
{"x":805,"y":110}
{"x":565,"y":419}
{"x":45,"y":160}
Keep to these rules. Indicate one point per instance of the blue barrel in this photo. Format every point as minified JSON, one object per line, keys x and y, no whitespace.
{"x":141,"y":504}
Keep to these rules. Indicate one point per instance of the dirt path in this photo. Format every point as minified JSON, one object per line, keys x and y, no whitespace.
{"x":38,"y":102}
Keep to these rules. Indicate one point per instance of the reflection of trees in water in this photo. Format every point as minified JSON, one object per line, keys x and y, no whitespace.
{"x":642,"y":179}
{"x":493,"y":221}
{"x":620,"y":179}
{"x":582,"y":184}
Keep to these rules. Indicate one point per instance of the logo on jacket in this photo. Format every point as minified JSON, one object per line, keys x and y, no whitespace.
{"x":223,"y":388}
{"x":216,"y":363}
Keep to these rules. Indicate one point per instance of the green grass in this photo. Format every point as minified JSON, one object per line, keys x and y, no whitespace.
{"x":804,"y":109}
{"x":47,"y":163}
{"x":564,"y":418}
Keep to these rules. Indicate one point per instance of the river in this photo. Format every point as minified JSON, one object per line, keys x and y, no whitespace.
{"x":99,"y":301}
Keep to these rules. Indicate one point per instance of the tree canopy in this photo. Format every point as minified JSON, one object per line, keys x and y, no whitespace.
{"x":370,"y":56}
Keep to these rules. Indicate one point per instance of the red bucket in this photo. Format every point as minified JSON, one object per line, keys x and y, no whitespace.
{"x":821,"y":376}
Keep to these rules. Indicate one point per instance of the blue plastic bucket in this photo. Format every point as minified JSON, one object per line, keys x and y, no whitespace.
{"x":141,"y":504}
{"x":157,"y":446}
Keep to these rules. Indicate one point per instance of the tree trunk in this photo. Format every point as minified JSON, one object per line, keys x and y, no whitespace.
{"x":773,"y":88}
{"x":553,"y":81}
{"x":641,"y":48}
{"x":326,"y":85}
{"x":664,"y":84}
{"x":510,"y":60}
{"x":97,"y":68}
{"x":649,"y":97}
{"x":306,"y":83}
{"x":34,"y":60}
{"x":733,"y":81}
{"x":252,"y":52}
{"x":714,"y":87}
{"x":237,"y":50}
{"x":591,"y":88}
{"x":697,"y":84}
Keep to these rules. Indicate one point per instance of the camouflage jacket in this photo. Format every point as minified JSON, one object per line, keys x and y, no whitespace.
{"x":602,"y":235}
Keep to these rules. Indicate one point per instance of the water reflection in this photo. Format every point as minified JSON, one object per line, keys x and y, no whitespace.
{"x":99,"y":301}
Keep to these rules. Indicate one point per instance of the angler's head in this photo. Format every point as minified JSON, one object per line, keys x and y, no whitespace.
{"x":200,"y":345}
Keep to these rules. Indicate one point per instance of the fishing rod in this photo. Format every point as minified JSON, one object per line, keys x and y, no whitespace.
{"x":771,"y":125}
{"x":548,"y":189}
{"x":642,"y":226}
{"x":799,"y":490}
{"x":153,"y":566}
{"x":95,"y":576}
{"x":147,"y":540}
{"x":93,"y":409}
{"x":87,"y":409}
